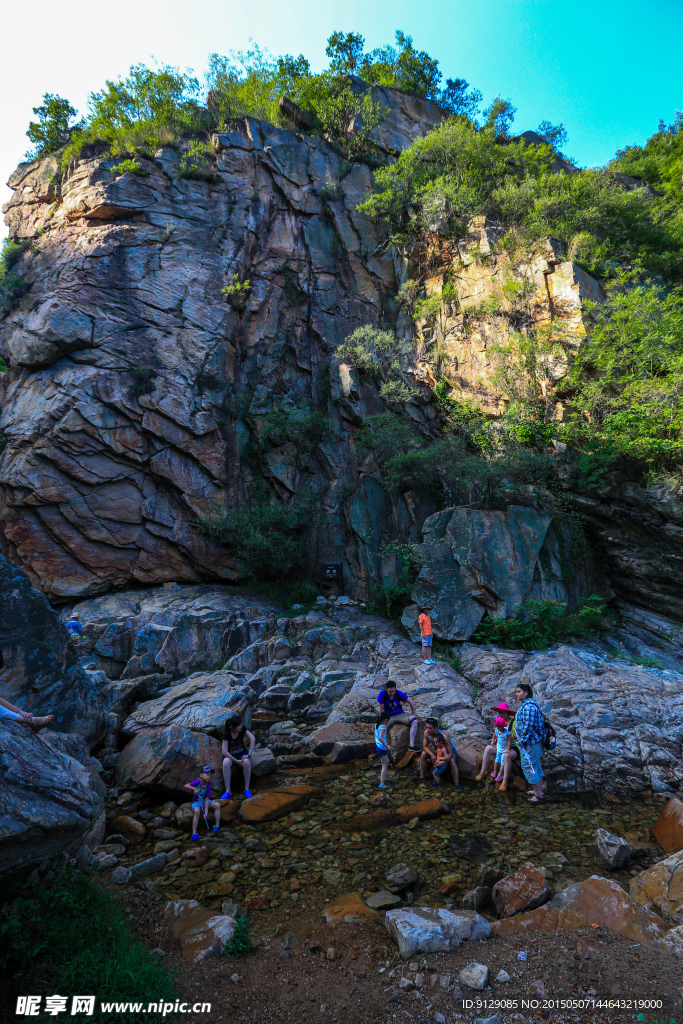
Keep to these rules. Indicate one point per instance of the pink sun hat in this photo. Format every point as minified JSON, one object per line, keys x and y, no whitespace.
{"x":500,"y":723}
{"x":503,"y":707}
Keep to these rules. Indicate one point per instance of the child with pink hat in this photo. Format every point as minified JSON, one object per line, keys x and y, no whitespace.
{"x":500,"y":746}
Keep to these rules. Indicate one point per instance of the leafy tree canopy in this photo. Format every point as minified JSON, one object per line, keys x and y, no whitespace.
{"x":53,"y":127}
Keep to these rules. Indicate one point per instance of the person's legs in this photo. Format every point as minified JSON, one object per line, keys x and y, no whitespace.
{"x":413,"y":732}
{"x":195,"y":821}
{"x":498,"y":769}
{"x":533,"y":772}
{"x":246,"y":769}
{"x":217,"y":808}
{"x":227,"y":769}
{"x":425,"y":763}
{"x":425,"y":651}
{"x":384,"y":761}
{"x":508,"y":758}
{"x":488,"y":756}
{"x":454,"y":771}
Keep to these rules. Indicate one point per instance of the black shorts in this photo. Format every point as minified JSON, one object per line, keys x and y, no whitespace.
{"x":239,"y":754}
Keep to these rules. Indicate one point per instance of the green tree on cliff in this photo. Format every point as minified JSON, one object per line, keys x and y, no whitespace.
{"x":53,"y":128}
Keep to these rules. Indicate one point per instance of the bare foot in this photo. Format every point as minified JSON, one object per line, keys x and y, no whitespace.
{"x":39,"y":723}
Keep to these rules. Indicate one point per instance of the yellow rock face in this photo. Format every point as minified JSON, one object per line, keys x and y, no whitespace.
{"x":662,"y":885}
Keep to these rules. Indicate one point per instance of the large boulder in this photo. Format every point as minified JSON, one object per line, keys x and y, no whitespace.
{"x":197,"y":642}
{"x":668,"y":829}
{"x":275,"y":803}
{"x":49,"y":800}
{"x":429,"y":930}
{"x":525,"y":889}
{"x":38,"y":665}
{"x":585,"y":903}
{"x":474,"y":560}
{"x":200,"y":932}
{"x":662,"y":886}
{"x":168,"y":757}
{"x":203,"y":702}
{"x":344,"y":741}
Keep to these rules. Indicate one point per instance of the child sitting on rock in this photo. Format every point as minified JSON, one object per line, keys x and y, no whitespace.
{"x":382,"y":746}
{"x":441,"y":759}
{"x":201,"y":800}
{"x":499,"y":746}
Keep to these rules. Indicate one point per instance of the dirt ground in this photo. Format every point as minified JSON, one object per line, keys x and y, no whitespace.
{"x":351,"y":974}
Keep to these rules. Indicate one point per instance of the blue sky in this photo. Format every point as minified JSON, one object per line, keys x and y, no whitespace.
{"x":609,"y":70}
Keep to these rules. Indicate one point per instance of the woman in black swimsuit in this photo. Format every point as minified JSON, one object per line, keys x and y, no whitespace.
{"x":238,"y":745}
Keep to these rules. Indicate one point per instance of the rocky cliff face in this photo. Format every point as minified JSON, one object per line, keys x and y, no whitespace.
{"x":138,"y":389}
{"x":103,"y":477}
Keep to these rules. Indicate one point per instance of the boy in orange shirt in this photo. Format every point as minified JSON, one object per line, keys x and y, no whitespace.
{"x":425,"y":621}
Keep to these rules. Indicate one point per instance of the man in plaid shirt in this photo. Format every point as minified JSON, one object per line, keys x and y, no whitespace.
{"x":529,"y":730}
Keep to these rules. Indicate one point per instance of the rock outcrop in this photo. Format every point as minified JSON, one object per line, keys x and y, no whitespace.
{"x":39,"y":668}
{"x":51,"y":798}
{"x":477,"y":562}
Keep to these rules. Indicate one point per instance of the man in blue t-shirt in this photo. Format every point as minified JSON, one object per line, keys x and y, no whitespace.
{"x":392,"y":700}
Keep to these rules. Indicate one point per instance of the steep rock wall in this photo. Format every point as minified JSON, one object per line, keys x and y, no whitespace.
{"x":129,"y":368}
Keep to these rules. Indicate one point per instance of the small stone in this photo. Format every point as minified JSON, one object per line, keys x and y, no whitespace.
{"x":158,"y":952}
{"x":232,"y":909}
{"x":450,"y":884}
{"x":439,"y":1018}
{"x":419,"y":980}
{"x":502,"y":977}
{"x":400,"y":877}
{"x":258,"y":903}
{"x":121,"y":876}
{"x":488,"y":1020}
{"x":197,"y":856}
{"x":413,"y":966}
{"x":330,"y":953}
{"x":406,"y":984}
{"x":235,"y":978}
{"x":537,"y":988}
{"x":614,"y":850}
{"x":476,"y":898}
{"x":290,"y":940}
{"x":474,"y":976}
{"x":106,"y":861}
{"x":383,"y":900}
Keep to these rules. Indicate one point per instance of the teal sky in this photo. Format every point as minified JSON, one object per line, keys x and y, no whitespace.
{"x":608,"y":70}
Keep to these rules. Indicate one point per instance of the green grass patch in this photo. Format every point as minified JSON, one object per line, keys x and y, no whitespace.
{"x":71,"y":938}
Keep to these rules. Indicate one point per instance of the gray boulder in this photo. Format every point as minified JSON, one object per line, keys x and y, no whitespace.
{"x":202,"y":702}
{"x":429,"y":930}
{"x":275,"y":697}
{"x":40,"y":670}
{"x":49,"y":801}
{"x":477,"y":561}
{"x":614,"y":850}
{"x":400,"y":877}
{"x":263,"y":762}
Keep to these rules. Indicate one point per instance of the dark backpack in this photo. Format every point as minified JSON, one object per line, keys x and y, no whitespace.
{"x":549,"y":739}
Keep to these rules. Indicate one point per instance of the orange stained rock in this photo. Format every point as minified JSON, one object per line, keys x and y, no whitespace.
{"x":422,"y":809}
{"x":668,"y":830}
{"x":133,"y":830}
{"x":595,"y":899}
{"x":347,"y":909}
{"x":275,"y":803}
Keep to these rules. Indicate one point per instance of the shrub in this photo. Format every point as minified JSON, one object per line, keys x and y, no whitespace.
{"x":305,"y":427}
{"x":628,"y":381}
{"x":237,"y":292}
{"x":266,"y":538}
{"x":70,"y":937}
{"x":373,"y":351}
{"x":390,"y":598}
{"x":195,"y":163}
{"x":131,"y":166}
{"x":12,"y":286}
{"x":144,"y":380}
{"x":538,"y":624}
{"x":146,"y":109}
{"x":240,"y":944}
